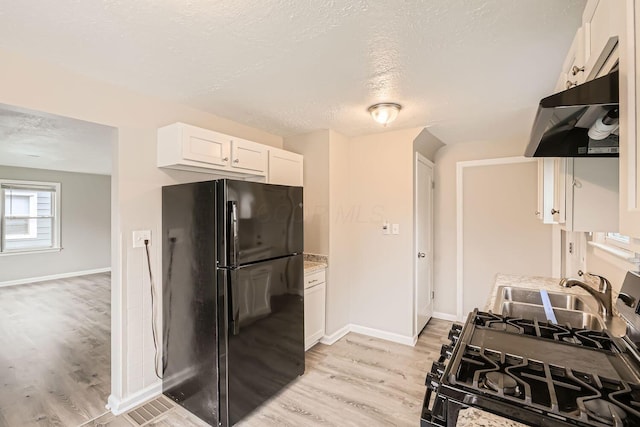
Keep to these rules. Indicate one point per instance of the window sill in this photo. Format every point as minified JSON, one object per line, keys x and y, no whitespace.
{"x":39,"y":251}
{"x":615,"y":254}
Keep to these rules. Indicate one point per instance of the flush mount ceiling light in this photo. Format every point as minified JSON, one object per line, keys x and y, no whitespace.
{"x":385,"y":112}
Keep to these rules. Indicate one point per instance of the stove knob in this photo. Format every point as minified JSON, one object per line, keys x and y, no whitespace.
{"x":437,"y":368}
{"x":432,"y":381}
{"x":446,"y":351}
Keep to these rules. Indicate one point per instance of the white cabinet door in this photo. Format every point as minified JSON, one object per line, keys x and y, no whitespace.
{"x":558,"y":210}
{"x":573,"y":67}
{"x":206,"y":146}
{"x":603,"y":21}
{"x":629,"y":119}
{"x":592,"y":194}
{"x":248,"y":155}
{"x":314,"y":314}
{"x":285,"y":168}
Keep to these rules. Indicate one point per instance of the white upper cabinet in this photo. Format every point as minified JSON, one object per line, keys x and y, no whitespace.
{"x":285,"y":167}
{"x":573,"y":68}
{"x":204,"y":146}
{"x":248,"y":155}
{"x":602,"y":25}
{"x":591,"y":195}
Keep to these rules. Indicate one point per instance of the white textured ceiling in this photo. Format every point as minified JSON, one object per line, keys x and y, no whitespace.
{"x":43,"y":141}
{"x":470,"y":69}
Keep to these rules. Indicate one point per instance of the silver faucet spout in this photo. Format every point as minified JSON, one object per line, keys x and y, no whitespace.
{"x":603,"y":295}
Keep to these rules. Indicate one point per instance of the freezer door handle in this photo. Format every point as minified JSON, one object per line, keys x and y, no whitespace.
{"x":233,"y":234}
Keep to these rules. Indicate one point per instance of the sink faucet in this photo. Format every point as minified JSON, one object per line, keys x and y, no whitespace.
{"x":603,"y":295}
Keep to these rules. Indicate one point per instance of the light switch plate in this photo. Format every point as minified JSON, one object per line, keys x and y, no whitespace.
{"x":139,"y":236}
{"x":386,"y":228}
{"x":395,"y":228}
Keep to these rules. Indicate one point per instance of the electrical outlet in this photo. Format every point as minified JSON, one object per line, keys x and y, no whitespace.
{"x":139,"y":236}
{"x":395,"y":228}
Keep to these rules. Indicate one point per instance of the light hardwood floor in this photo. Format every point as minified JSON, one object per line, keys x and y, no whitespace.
{"x":358,"y":381}
{"x":55,"y":351}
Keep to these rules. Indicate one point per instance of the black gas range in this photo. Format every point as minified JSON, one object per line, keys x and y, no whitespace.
{"x":538,"y":373}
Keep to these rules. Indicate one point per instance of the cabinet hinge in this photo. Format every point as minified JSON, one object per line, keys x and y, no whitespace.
{"x":433,"y":185}
{"x":433,"y":294}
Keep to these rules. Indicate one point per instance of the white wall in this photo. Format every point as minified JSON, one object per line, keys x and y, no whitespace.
{"x":445,"y":211}
{"x":315,"y":149}
{"x":381,"y":189}
{"x":501,"y":233}
{"x":136,"y":194}
{"x":85,"y":214}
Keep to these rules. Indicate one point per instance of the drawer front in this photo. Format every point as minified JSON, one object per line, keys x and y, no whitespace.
{"x":313,"y":279}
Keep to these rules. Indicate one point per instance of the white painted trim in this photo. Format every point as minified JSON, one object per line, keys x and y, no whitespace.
{"x":445,"y":316}
{"x":334,"y":337}
{"x":370,"y":332}
{"x":388,"y":336}
{"x":118,"y":407}
{"x":53,"y":277}
{"x":459,"y":223}
{"x":38,"y":251}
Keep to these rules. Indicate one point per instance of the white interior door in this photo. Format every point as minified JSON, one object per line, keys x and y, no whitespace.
{"x":424,"y":242}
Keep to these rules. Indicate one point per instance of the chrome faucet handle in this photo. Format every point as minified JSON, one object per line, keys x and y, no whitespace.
{"x":605,"y":285}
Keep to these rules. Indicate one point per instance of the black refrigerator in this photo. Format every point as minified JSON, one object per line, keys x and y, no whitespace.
{"x":233,"y":311}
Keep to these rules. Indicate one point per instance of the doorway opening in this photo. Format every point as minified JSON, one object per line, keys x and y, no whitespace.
{"x":55,"y":258}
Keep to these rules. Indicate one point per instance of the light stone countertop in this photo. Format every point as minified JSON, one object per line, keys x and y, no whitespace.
{"x":474,"y":417}
{"x":312,"y":266}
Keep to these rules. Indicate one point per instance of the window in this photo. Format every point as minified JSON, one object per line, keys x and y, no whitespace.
{"x":30,"y":216}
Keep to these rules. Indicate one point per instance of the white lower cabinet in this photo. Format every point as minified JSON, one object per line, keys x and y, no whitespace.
{"x":314,"y":307}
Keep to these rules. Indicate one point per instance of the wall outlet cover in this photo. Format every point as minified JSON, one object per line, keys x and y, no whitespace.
{"x":139,"y":236}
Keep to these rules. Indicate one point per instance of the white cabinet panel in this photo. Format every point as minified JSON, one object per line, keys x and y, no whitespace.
{"x":314,"y":314}
{"x":202,"y":145}
{"x":248,"y":155}
{"x":285,"y":168}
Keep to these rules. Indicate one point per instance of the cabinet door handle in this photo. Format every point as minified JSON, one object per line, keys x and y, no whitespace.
{"x":313,"y":281}
{"x":575,"y":70}
{"x":236,"y":161}
{"x":554,"y":211}
{"x":225,"y":159}
{"x":421,"y":255}
{"x":571,"y":84}
{"x":537,"y":213}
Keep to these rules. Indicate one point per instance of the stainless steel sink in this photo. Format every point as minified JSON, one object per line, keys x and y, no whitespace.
{"x":557,"y":299}
{"x":575,"y":318}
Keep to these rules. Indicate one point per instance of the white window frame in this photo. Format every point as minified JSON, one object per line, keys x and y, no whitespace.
{"x":55,"y":209}
{"x":32,"y":225}
{"x":616,"y":249}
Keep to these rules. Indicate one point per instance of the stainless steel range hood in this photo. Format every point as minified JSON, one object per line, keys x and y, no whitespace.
{"x":563,"y":120}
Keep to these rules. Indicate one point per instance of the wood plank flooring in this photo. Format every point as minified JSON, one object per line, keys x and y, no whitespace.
{"x":358,"y":381}
{"x":55,"y":351}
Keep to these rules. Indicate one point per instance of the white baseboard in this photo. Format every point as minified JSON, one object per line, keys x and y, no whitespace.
{"x":445,"y":316}
{"x":389,"y":336}
{"x":117,"y":406}
{"x":331,"y":339}
{"x":53,"y":277}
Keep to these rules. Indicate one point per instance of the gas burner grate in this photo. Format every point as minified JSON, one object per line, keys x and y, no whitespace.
{"x":565,"y":334}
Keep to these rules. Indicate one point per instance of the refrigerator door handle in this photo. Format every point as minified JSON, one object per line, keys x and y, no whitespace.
{"x":234,"y":306}
{"x":233,"y":233}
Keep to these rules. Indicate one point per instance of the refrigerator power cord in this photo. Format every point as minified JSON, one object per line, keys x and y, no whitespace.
{"x":154,"y":314}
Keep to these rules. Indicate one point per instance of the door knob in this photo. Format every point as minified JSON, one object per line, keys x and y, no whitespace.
{"x":421,"y":255}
